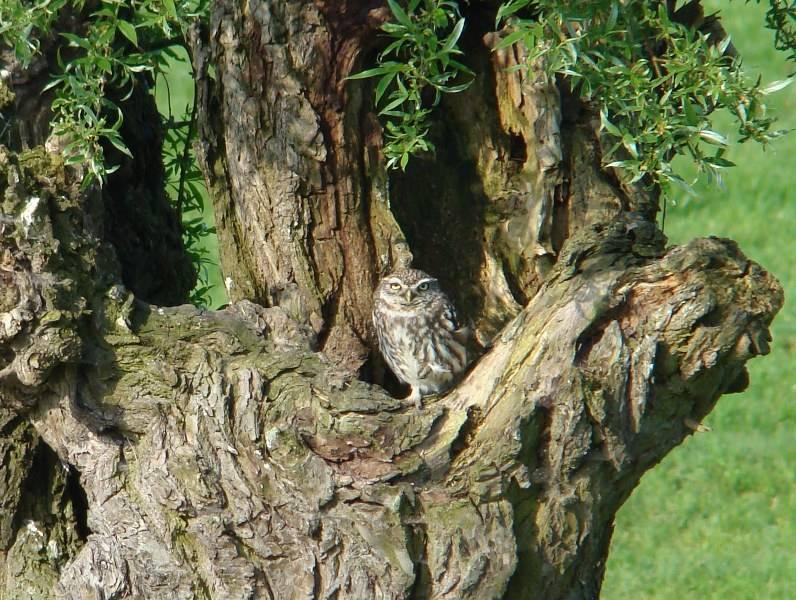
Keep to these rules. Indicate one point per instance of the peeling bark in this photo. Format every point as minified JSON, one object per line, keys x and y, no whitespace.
{"x":235,"y":453}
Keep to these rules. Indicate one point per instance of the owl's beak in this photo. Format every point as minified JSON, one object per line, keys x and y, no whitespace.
{"x":409,"y":295}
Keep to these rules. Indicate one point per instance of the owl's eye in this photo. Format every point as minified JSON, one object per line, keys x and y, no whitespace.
{"x":395,"y":286}
{"x":423,"y":286}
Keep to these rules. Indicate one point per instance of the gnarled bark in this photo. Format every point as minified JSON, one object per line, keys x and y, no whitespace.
{"x":223,"y":455}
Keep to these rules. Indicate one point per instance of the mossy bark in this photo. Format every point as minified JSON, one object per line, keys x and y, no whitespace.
{"x":220,"y":456}
{"x":138,"y":218}
{"x":236,"y":454}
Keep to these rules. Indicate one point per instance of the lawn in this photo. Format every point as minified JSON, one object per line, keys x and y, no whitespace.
{"x":717,"y":519}
{"x":174,"y":96}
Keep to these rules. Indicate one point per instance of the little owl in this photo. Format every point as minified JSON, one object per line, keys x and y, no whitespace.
{"x":419,"y":336}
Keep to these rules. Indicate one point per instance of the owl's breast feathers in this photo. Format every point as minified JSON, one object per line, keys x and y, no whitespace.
{"x":424,"y":349}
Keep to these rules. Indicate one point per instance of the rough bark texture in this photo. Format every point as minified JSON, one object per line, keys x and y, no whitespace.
{"x":221,"y":457}
{"x":42,"y":508}
{"x":300,"y":205}
{"x":138,"y":218}
{"x":196,"y":454}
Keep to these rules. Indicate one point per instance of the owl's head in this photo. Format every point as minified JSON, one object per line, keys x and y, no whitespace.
{"x":408,"y":287}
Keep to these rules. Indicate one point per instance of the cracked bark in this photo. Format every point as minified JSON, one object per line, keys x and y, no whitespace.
{"x":221,"y":455}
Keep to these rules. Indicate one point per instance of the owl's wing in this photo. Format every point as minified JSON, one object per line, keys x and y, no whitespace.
{"x":450,"y":322}
{"x":448,"y":318}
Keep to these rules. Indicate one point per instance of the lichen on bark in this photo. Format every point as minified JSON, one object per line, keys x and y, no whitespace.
{"x":235,"y":453}
{"x":221,"y":456}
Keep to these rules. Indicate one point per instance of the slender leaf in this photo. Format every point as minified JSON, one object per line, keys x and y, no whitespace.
{"x":453,"y":37}
{"x":388,"y":67}
{"x":383,"y":84}
{"x":399,"y":14}
{"x":128,"y":31}
{"x":776,"y":86}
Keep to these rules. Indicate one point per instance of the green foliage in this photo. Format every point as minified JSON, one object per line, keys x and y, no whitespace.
{"x":115,"y":47}
{"x":420,"y":57}
{"x":714,"y":520}
{"x":21,"y":23}
{"x":122,"y":43}
{"x":185,"y":186}
{"x":656,"y":81}
{"x":781,"y":17}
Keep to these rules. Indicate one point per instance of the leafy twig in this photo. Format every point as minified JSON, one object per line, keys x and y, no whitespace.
{"x":420,"y":56}
{"x":655,"y":80}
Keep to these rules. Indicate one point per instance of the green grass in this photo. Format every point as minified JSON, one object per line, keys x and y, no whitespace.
{"x":717,"y":519}
{"x":174,"y":96}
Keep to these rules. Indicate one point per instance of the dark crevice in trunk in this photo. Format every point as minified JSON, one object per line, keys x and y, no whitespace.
{"x":514,"y":285}
{"x":9,"y":425}
{"x":421,"y":588}
{"x":50,"y":487}
{"x":529,"y":567}
{"x":518,"y":149}
{"x":139,"y":220}
{"x":77,"y":495}
{"x":37,"y":483}
{"x":466,"y":433}
{"x":439,"y":204}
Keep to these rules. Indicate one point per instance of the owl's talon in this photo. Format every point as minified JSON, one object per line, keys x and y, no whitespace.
{"x":416,"y":398}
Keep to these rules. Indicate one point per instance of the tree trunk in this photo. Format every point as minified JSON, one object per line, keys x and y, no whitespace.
{"x":236,"y":454}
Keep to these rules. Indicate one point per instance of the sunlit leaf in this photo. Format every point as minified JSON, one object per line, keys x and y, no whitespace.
{"x":454,"y":36}
{"x":388,"y":67}
{"x":713,"y":137}
{"x":399,"y":13}
{"x":776,"y":86}
{"x":128,"y":31}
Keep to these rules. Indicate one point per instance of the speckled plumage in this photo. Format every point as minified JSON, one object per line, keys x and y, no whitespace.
{"x":418,"y":332}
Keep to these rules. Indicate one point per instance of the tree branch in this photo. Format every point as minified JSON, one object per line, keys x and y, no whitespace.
{"x":221,"y":457}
